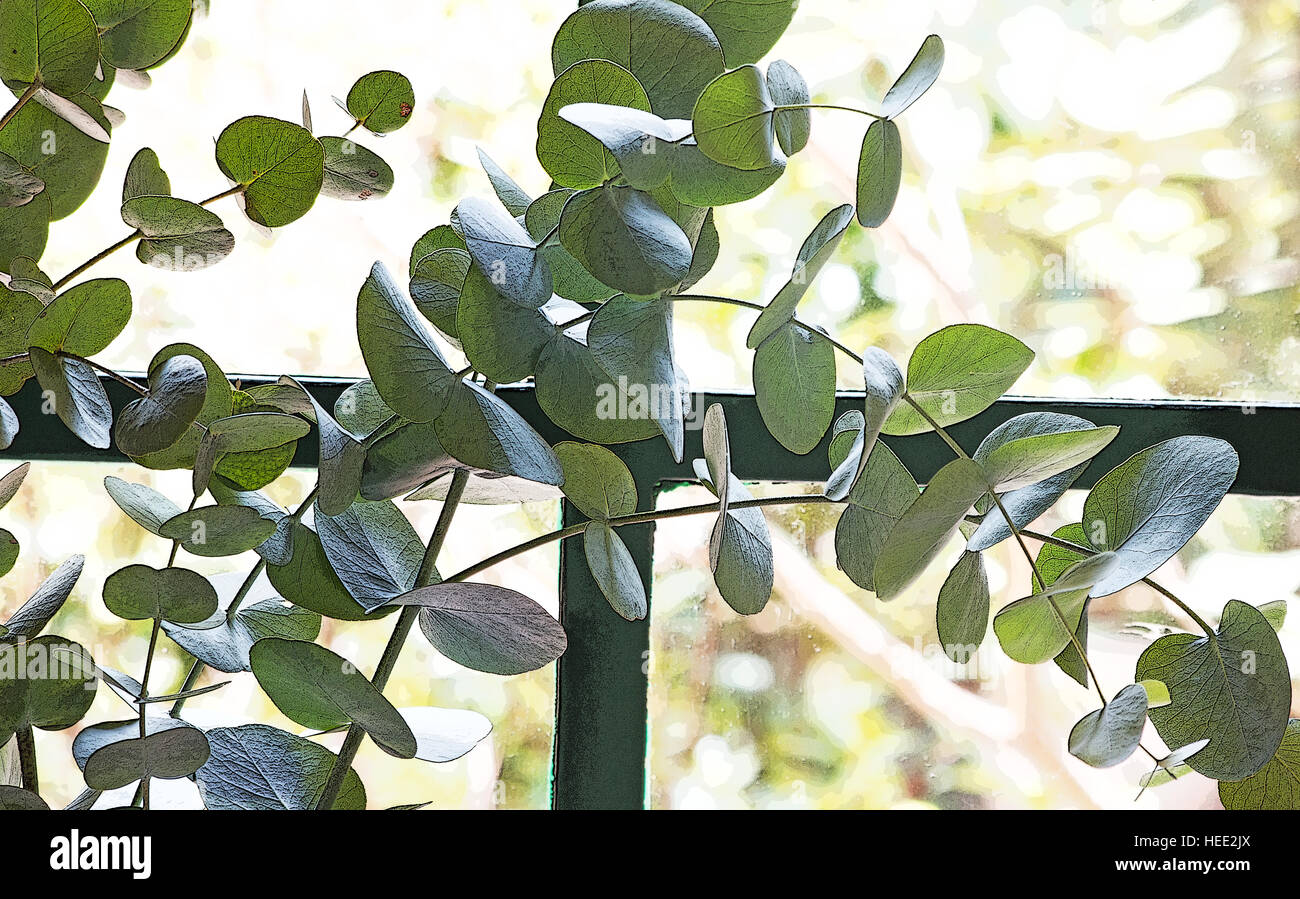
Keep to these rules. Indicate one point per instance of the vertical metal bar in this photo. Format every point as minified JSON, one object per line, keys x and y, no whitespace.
{"x":601,"y":688}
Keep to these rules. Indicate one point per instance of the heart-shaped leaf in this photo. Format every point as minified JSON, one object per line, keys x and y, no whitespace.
{"x":78,"y":397}
{"x":381,"y":101}
{"x":487,"y":628}
{"x":94,"y":737}
{"x":279,"y":165}
{"x":218,"y":404}
{"x":259,"y":768}
{"x":139,"y":592}
{"x":1111,"y":734}
{"x":319,"y":689}
{"x":880,"y":172}
{"x":1146,"y":509}
{"x":596,"y":480}
{"x":178,"y":389}
{"x":177,"y":235}
{"x":1233,"y":688}
{"x":47,"y":682}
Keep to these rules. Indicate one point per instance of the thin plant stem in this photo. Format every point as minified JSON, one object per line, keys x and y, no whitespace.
{"x":27,"y":760}
{"x":97,"y":258}
{"x":22,"y":101}
{"x":144,"y":692}
{"x":237,"y":189}
{"x":746,"y":304}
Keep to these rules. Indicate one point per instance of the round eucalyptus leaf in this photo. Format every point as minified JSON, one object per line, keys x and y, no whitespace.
{"x":1276,"y":786}
{"x":1233,"y":689}
{"x":485,"y":433}
{"x":47,"y":682}
{"x":487,"y":628}
{"x":18,"y":310}
{"x":309,"y":581}
{"x":77,"y":395}
{"x":222,"y":643}
{"x":436,"y":285}
{"x":317,"y":688}
{"x":880,"y":173}
{"x":84,"y":319}
{"x":279,"y":164}
{"x":625,"y":239}
{"x":381,"y":101}
{"x":666,"y":46}
{"x":404,"y":460}
{"x":794,"y":384}
{"x":138,"y":34}
{"x":177,"y":235}
{"x":145,"y":177}
{"x":1037,"y":628}
{"x":444,"y":735}
{"x":53,"y":42}
{"x":697,"y":180}
{"x":501,"y":339}
{"x":884,"y":389}
{"x":18,"y":799}
{"x":218,"y":403}
{"x":917,"y":78}
{"x":615,"y":571}
{"x":926,"y":526}
{"x":640,"y":142}
{"x":276,"y":549}
{"x":70,"y":175}
{"x":17,"y":184}
{"x":962,"y":610}
{"x":787,"y":88}
{"x":505,"y":253}
{"x":352,"y":172}
{"x":373,"y":549}
{"x":255,"y":767}
{"x":218,"y":530}
{"x":178,"y":389}
{"x":94,"y":737}
{"x":734,"y":120}
{"x":361,"y":409}
{"x":596,"y":480}
{"x":877,"y":501}
{"x":166,"y":755}
{"x":747,"y":29}
{"x":580,"y":397}
{"x":400,"y":352}
{"x":1111,"y":734}
{"x":138,"y":592}
{"x":956,"y":373}
{"x":32,"y":616}
{"x":1146,"y":509}
{"x":441,"y":237}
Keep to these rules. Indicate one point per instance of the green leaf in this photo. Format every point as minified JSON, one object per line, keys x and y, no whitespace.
{"x":17,"y":184}
{"x":403,"y":460}
{"x":483,"y":432}
{"x":502,"y":339}
{"x":8,"y":555}
{"x":279,"y":164}
{"x":880,"y":172}
{"x":84,"y":319}
{"x":632,"y":339}
{"x":1052,"y":562}
{"x":596,"y":480}
{"x":1028,"y":503}
{"x":733,"y":120}
{"x":145,"y":177}
{"x":926,"y":526}
{"x":488,"y":490}
{"x":138,"y":592}
{"x":374,"y":551}
{"x":570,"y":280}
{"x":513,"y":197}
{"x":167,"y":755}
{"x":1233,"y":688}
{"x":317,"y":688}
{"x":12,"y":480}
{"x":625,"y":239}
{"x":787,"y":88}
{"x":178,"y":389}
{"x":309,"y":581}
{"x":94,"y":737}
{"x":247,"y":435}
{"x":962,"y":611}
{"x":697,"y":180}
{"x":487,"y":628}
{"x":218,"y":530}
{"x":17,"y":312}
{"x":47,"y":682}
{"x":916,"y":79}
{"x":437,"y":238}
{"x":571,"y":156}
{"x":255,"y":767}
{"x":50,"y":41}
{"x":381,"y":101}
{"x":878,"y":500}
{"x":138,"y":34}
{"x":74,"y":390}
{"x":717,"y":453}
{"x":794,"y":384}
{"x":1157,"y":693}
{"x":664,"y":45}
{"x":740,"y":554}
{"x":222,"y":643}
{"x":884,"y":388}
{"x":32,"y":617}
{"x":1038,"y":627}
{"x":641,"y":142}
{"x":24,"y":229}
{"x":817,"y":249}
{"x":17,"y":799}
{"x":1111,"y":734}
{"x":436,"y":286}
{"x":218,"y":404}
{"x":341,"y":458}
{"x":400,"y":352}
{"x":1275,"y":612}
{"x":956,"y":373}
{"x":82,"y":111}
{"x":276,"y":549}
{"x":1026,"y":461}
{"x":352,"y":172}
{"x":177,"y":235}
{"x":143,"y":505}
{"x":505,"y":253}
{"x":578,"y":395}
{"x":1276,"y":786}
{"x":70,"y":175}
{"x":614,"y":571}
{"x":1148,"y":507}
{"x":747,"y":29}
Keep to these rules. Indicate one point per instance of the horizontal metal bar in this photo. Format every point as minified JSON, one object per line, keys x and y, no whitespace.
{"x":1262,"y":433}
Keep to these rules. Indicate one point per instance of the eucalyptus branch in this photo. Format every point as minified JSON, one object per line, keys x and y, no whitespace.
{"x":27,"y":759}
{"x":97,"y":258}
{"x":22,"y":101}
{"x":144,"y":691}
{"x":746,"y":304}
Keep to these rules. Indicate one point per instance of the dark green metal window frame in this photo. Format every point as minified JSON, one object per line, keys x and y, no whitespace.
{"x":602,"y":682}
